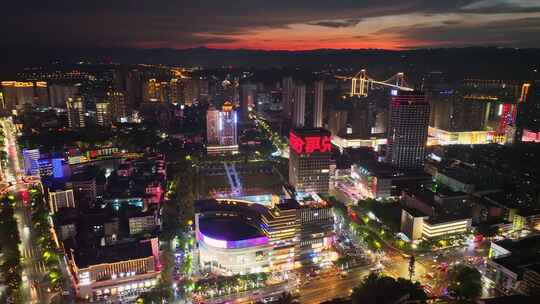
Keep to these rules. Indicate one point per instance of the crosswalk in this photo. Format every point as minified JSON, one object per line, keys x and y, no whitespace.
{"x":33,"y":260}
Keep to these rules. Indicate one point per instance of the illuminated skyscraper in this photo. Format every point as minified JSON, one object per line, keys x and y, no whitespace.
{"x":299,"y":104}
{"x":247,"y":92}
{"x":103,"y":114}
{"x":17,"y":94}
{"x":59,"y":94}
{"x":152,"y":91}
{"x":318,"y":107}
{"x":119,"y":107}
{"x":287,"y":88}
{"x":31,"y":157}
{"x":408,"y":130}
{"x":42,"y":93}
{"x":195,"y":90}
{"x":76,"y":110}
{"x":176,"y":91}
{"x":221,"y":130}
{"x":309,"y":162}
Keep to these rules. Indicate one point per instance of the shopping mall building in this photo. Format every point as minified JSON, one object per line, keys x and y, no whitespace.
{"x":240,"y":237}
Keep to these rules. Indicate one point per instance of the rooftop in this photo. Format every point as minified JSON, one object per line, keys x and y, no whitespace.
{"x":85,"y":257}
{"x":229,"y":229}
{"x":524,"y":252}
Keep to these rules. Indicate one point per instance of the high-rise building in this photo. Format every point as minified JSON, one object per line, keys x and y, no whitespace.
{"x":337,"y":121}
{"x":119,"y":107}
{"x":176,"y":91}
{"x":408,"y":129}
{"x":31,"y":158}
{"x":247,"y":92}
{"x":318,"y":88}
{"x":59,"y":94}
{"x":299,"y":104}
{"x":287,"y":88}
{"x":59,"y":199}
{"x":195,"y":90}
{"x":17,"y":94}
{"x":309,"y":163}
{"x":103,"y":114}
{"x":42,"y":93}
{"x":76,"y":110}
{"x":221,"y":130}
{"x":151,"y":91}
{"x":134,"y":88}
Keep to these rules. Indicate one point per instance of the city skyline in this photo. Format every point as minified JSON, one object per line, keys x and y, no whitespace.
{"x":276,"y":25}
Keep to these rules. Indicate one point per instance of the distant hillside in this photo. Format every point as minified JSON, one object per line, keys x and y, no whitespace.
{"x":471,"y":62}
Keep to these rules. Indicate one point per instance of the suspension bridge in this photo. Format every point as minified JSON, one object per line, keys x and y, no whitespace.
{"x":361,"y":83}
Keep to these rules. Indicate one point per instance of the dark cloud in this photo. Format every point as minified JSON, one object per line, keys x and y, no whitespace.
{"x":451,"y":22}
{"x":190,"y":23}
{"x":337,"y":23}
{"x":502,"y":6}
{"x":511,"y":33}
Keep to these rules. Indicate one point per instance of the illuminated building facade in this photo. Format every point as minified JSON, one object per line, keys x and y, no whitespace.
{"x":119,"y":107}
{"x":408,"y":130}
{"x":76,"y":110}
{"x":318,"y":107}
{"x":176,"y":91}
{"x":31,"y":158}
{"x":309,"y":162}
{"x":281,"y":225}
{"x":510,"y":260}
{"x":195,"y":90}
{"x":247,"y":97}
{"x":478,"y":111}
{"x":230,"y":246}
{"x":41,"y":93}
{"x":152,"y":91}
{"x":299,"y":106}
{"x":115,"y":270}
{"x":61,"y":199}
{"x":17,"y":94}
{"x":373,"y":181}
{"x":430,"y":215}
{"x":103,"y":114}
{"x":59,"y":94}
{"x":236,"y":236}
{"x":346,"y":141}
{"x":287,"y":91}
{"x":221,"y":130}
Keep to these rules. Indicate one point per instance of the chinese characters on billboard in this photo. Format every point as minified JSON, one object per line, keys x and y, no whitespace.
{"x":309,"y":144}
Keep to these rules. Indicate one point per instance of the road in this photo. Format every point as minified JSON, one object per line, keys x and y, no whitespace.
{"x":34,"y":268}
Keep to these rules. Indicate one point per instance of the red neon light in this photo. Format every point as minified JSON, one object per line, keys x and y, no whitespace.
{"x":310,"y":144}
{"x":313,"y":143}
{"x":296,"y":143}
{"x":326,"y":144}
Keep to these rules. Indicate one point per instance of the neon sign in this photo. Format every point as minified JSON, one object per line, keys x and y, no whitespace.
{"x":310,"y":144}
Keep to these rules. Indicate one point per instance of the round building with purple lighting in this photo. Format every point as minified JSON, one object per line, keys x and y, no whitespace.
{"x":231,"y":244}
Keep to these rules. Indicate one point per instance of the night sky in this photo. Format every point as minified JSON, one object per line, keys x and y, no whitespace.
{"x":271,"y":24}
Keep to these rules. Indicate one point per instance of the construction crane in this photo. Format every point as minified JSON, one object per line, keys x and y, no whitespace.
{"x":361,"y":83}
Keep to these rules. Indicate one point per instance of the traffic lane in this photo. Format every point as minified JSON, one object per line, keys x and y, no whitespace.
{"x":323,"y":289}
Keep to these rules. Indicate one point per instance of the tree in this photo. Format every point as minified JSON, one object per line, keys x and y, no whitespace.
{"x":383,"y":290}
{"x":285,"y":298}
{"x":465,"y":282}
{"x":487,"y":230}
{"x":411,"y":267}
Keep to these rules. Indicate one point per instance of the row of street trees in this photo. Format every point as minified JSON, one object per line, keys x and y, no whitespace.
{"x":47,"y":247}
{"x":222,"y":286}
{"x":11,"y":267}
{"x":177,"y":215}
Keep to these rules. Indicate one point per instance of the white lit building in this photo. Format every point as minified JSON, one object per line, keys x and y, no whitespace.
{"x":221,"y":130}
{"x":116,"y":270}
{"x":61,"y":199}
